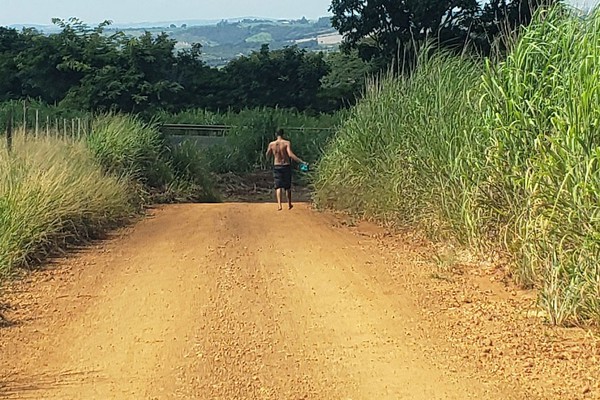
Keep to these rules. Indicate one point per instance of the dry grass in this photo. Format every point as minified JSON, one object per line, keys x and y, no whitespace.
{"x":52,"y":193}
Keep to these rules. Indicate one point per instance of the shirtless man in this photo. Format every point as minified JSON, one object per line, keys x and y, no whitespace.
{"x":281,"y":150}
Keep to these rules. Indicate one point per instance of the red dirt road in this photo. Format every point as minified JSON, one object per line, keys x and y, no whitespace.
{"x":231,"y":301}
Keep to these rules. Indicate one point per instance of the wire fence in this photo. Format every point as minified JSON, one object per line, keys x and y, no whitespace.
{"x":31,"y":121}
{"x":36,"y":123}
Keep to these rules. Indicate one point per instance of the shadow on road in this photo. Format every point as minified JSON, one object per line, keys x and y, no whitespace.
{"x":257,"y":187}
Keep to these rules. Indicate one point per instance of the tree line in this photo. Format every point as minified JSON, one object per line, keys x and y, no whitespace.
{"x":385,"y":30}
{"x":94,"y":69}
{"x":88,"y":68}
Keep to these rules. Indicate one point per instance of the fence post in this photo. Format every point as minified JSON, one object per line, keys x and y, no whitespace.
{"x":9,"y":131}
{"x":47,"y":125}
{"x":24,"y":117}
{"x":64,"y":128}
{"x":37,"y":122}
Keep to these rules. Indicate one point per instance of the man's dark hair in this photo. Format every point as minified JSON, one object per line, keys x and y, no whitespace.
{"x":279,"y":132}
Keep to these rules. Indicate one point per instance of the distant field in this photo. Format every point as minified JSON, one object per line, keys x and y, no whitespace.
{"x":263,"y":37}
{"x":330,"y":39}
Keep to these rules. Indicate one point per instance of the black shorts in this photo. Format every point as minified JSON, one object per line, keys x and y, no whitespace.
{"x":282,"y":174}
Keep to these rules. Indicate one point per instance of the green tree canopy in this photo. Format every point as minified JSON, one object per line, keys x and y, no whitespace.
{"x":91,"y":68}
{"x":386,"y":28}
{"x":289,"y":78}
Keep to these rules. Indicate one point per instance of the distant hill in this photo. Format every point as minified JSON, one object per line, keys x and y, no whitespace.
{"x":137,"y":25}
{"x":39,"y":27}
{"x":223,"y":40}
{"x":228,"y":39}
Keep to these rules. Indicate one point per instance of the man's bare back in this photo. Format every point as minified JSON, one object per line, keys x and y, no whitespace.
{"x":281,"y":150}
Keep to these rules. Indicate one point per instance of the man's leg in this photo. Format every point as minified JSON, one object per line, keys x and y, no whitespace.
{"x":289,"y":196}
{"x":278,"y":194}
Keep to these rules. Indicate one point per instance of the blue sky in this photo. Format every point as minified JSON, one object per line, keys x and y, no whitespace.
{"x":123,"y":11}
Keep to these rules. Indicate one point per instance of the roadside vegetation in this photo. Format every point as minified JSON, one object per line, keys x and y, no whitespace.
{"x":502,"y":156}
{"x":57,"y":191}
{"x":243,"y":149}
{"x":53,"y":193}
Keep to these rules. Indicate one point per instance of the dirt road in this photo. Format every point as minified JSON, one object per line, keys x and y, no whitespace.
{"x":227,"y":301}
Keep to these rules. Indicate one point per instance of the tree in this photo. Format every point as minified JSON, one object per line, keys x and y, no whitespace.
{"x":113,"y":71}
{"x":289,"y":78}
{"x":91,"y":68}
{"x":499,"y":17}
{"x":323,"y":22}
{"x":383,"y":28}
{"x":47,"y":65}
{"x":203,"y":87}
{"x":346,"y":80}
{"x":387,"y":28}
{"x":11,"y":44}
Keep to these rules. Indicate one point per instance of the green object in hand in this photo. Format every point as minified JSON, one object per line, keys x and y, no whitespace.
{"x":304,"y":167}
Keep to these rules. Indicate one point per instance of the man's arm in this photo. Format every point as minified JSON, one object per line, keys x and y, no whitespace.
{"x":269,"y":150}
{"x":292,"y":155}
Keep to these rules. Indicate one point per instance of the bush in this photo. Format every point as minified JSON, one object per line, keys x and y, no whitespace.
{"x":54,"y":192}
{"x":49,"y":117}
{"x":543,"y":108}
{"x":407,"y":148}
{"x":128,"y":147}
{"x":191,"y":181}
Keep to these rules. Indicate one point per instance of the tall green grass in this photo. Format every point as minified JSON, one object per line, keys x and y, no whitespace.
{"x":191,"y":180}
{"x":128,"y":147}
{"x":543,"y":108}
{"x":53,"y":117}
{"x":406,"y":148}
{"x":501,"y":156}
{"x":253,"y":129}
{"x":53,"y":193}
